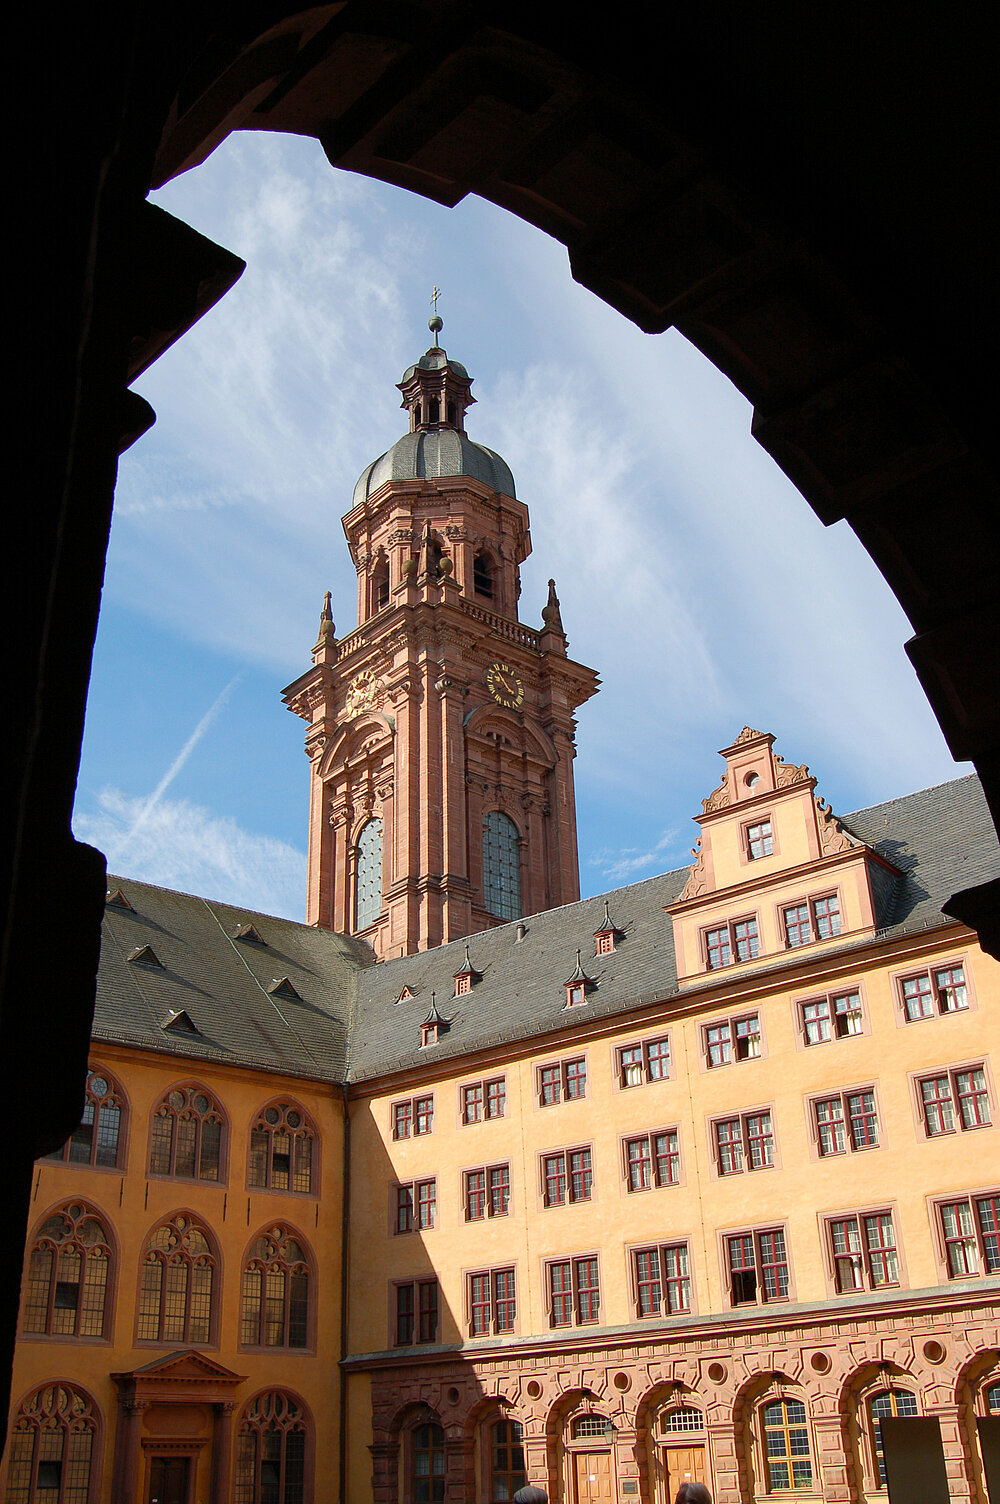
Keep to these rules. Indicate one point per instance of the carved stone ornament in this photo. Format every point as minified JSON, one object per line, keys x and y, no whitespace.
{"x":362,"y":692}
{"x":697,"y":882}
{"x":400,"y":536}
{"x":785,"y":774}
{"x":720,"y":798}
{"x":833,"y":837}
{"x":748,"y":734}
{"x":456,"y":531}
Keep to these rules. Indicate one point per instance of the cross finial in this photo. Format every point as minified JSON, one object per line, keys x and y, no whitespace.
{"x":435,"y":323}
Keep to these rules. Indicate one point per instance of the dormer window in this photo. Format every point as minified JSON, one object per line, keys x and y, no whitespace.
{"x":578,"y":986}
{"x":606,"y":938}
{"x":759,"y":839}
{"x":468,"y":976}
{"x":433,"y":1026}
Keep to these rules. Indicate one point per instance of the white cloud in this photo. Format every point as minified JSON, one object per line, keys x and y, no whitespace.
{"x":625,"y":865}
{"x":178,"y":844}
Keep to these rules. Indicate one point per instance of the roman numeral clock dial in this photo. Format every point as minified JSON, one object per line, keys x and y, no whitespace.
{"x":504,"y":685}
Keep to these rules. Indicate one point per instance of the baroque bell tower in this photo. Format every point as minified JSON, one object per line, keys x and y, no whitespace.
{"x":441,"y":730}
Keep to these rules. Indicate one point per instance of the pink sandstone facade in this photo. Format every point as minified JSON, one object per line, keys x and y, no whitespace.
{"x":440,"y":707}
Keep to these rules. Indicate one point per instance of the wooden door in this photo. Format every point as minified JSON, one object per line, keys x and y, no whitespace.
{"x":168,"y":1480}
{"x":683,"y":1465}
{"x":592,"y":1478}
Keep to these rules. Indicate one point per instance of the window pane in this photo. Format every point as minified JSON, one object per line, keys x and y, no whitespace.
{"x":501,"y":866}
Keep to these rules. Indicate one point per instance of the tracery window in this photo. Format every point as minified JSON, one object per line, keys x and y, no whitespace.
{"x":368,"y":875}
{"x":68,"y":1275}
{"x":271,"y":1451}
{"x":886,"y":1402}
{"x":98,"y":1139}
{"x":186,"y":1135}
{"x":281,"y":1149}
{"x":178,"y":1273}
{"x":428,"y":1464}
{"x":507,"y":1472}
{"x":51,"y":1453}
{"x":501,"y":866}
{"x":785,"y":1435}
{"x":275,"y":1292}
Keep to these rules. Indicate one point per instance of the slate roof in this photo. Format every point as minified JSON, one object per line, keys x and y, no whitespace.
{"x":221,"y":983}
{"x":348,"y":1022}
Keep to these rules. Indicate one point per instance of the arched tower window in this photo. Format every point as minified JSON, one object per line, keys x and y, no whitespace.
{"x":501,"y":866}
{"x":271,"y":1451}
{"x":178,"y":1274}
{"x":482,"y":575}
{"x":52,"y":1448}
{"x":68,"y":1274}
{"x":99,"y":1138}
{"x":428,"y":1464}
{"x":380,"y":585}
{"x":368,"y":875}
{"x":275,"y":1292}
{"x":281,"y":1149}
{"x":886,"y":1402}
{"x":186,"y":1136}
{"x":507,"y":1472}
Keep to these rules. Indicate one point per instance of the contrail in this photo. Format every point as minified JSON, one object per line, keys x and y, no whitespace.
{"x":175,"y":767}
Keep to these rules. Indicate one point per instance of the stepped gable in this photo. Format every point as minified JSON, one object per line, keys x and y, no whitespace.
{"x":208,"y":974}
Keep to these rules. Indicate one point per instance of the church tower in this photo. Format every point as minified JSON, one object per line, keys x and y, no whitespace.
{"x":441,"y":730}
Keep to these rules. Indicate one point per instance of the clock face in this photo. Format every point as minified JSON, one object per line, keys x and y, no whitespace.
{"x":361,"y":692}
{"x":504,"y":685}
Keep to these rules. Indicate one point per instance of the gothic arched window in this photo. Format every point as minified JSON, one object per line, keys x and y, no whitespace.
{"x":501,"y":866}
{"x":281,"y":1149}
{"x":52,"y":1448}
{"x":271,"y":1451}
{"x":68,"y":1275}
{"x":368,"y":875}
{"x":99,"y":1138}
{"x":507,"y":1473}
{"x":428,"y":1464}
{"x":186,"y":1135}
{"x":886,"y":1402}
{"x":275,"y":1292}
{"x":178,"y":1273}
{"x":785,"y":1435}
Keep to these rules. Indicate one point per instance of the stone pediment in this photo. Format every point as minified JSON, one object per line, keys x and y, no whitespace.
{"x":188,"y":1366}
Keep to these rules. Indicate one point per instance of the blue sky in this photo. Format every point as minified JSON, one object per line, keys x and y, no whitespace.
{"x":692,"y":574}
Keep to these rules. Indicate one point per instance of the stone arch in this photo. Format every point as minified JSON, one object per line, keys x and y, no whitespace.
{"x":979,"y":1369}
{"x":857,"y":1386}
{"x":533,"y":740}
{"x":349,"y":739}
{"x":757,"y":1390}
{"x":663,"y":1395}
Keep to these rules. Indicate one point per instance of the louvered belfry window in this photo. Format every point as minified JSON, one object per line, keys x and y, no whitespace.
{"x":501,"y":866}
{"x":368,"y":876}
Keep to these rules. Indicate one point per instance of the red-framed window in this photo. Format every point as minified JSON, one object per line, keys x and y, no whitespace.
{"x":412,"y":1118}
{"x":732,"y":1039}
{"x":574,"y":1291}
{"x":276,"y":1292}
{"x":811,"y":919}
{"x":416,"y":1205}
{"x":725,"y":944}
{"x":652,"y":1159}
{"x":645,"y":1061}
{"x":837,"y":1016}
{"x":416,"y":1313}
{"x":281,"y":1150}
{"x":492,"y":1301}
{"x":758,"y":839}
{"x":186,"y":1138}
{"x":938,"y":989}
{"x":567,"y":1176}
{"x":744,"y":1142}
{"x":484,"y":1099}
{"x":970,"y":1228}
{"x":486,"y":1192}
{"x":954,"y":1099}
{"x":846,"y":1121}
{"x":863,"y":1251}
{"x":662,"y":1279}
{"x":757,"y":1262}
{"x":562,"y":1081}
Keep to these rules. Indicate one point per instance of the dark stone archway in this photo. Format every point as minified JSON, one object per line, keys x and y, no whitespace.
{"x":805,"y":194}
